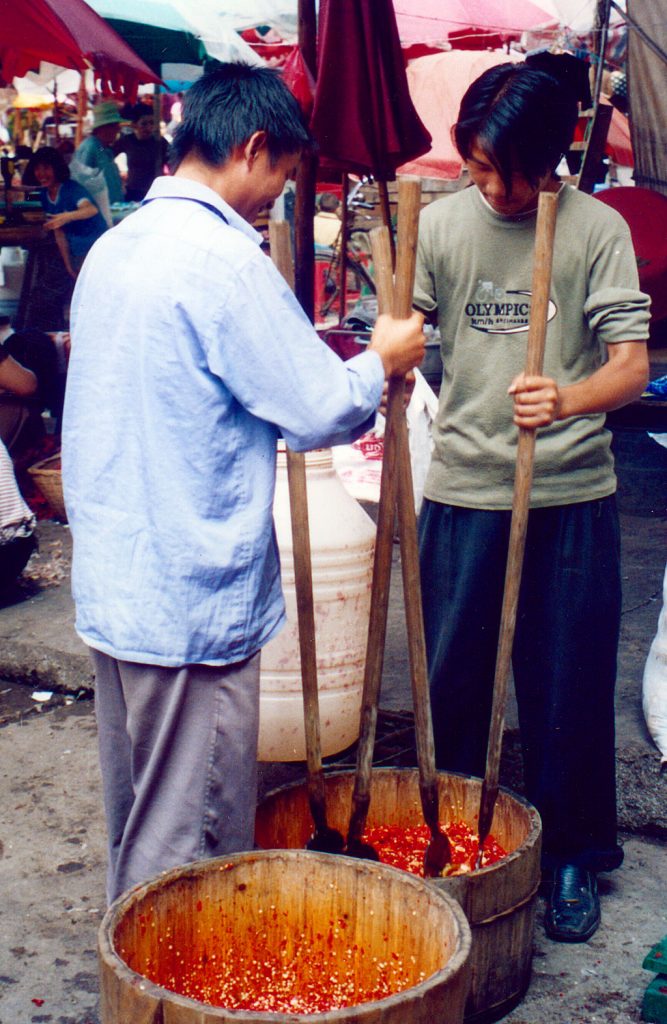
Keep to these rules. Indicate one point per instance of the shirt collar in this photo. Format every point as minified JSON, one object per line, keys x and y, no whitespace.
{"x":184,"y":188}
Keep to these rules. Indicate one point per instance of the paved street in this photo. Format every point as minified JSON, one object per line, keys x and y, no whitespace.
{"x":52,"y":833}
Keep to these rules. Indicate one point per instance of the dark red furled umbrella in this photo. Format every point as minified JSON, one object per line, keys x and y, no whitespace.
{"x":70,"y":34}
{"x":363,"y":117}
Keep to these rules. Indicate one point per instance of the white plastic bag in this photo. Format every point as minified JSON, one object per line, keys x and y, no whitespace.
{"x":359,"y":465}
{"x":654,"y":685}
{"x":93,"y":180}
{"x":420,"y":414}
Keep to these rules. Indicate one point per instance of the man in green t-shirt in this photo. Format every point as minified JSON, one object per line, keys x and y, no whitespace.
{"x":474,"y":278}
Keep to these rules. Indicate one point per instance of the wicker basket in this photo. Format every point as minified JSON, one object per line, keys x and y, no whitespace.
{"x":48,"y":478}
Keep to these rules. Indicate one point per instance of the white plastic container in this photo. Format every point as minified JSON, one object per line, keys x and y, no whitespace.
{"x":342,"y":539}
{"x":654,"y":685}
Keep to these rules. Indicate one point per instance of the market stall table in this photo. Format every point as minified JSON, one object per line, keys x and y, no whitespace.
{"x":28,"y":234}
{"x":25,"y":236}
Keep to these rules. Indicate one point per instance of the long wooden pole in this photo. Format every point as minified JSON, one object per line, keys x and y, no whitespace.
{"x":324,"y":839}
{"x":395,"y":299}
{"x":539,"y":307}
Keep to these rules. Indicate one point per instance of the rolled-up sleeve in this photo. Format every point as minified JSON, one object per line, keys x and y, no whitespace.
{"x":616,"y":309}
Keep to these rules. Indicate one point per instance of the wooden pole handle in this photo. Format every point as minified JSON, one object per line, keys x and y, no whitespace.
{"x":395,"y":488}
{"x":377,"y":625}
{"x":409,"y":205}
{"x":279,"y":240}
{"x":537,"y":330}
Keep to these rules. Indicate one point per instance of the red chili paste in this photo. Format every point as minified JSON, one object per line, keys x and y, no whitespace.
{"x":403,"y":846}
{"x":297,"y":974}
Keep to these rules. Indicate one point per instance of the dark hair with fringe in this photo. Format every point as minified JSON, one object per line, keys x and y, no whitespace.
{"x":522,"y":119}
{"x":226,"y":106}
{"x":49,"y":157}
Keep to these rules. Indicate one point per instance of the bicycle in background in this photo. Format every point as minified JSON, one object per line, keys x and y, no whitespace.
{"x":358,"y":277}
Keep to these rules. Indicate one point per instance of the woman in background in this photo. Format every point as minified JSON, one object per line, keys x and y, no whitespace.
{"x":75,"y":223}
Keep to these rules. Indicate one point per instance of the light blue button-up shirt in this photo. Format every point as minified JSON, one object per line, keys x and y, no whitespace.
{"x":190,"y":356}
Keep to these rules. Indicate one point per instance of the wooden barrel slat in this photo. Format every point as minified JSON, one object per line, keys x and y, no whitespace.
{"x":215,"y":905}
{"x":499,"y":901}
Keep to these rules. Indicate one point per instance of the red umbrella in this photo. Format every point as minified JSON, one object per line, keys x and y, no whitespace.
{"x":363,"y":116}
{"x":70,"y":34}
{"x":430,"y":20}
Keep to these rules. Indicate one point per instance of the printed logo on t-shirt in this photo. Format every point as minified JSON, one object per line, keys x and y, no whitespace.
{"x":494,"y":310}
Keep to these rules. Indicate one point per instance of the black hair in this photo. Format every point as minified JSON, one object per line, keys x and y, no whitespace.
{"x":136,"y":111}
{"x":328,"y":202}
{"x":522,"y":119}
{"x":51,"y":158}
{"x":226,"y":106}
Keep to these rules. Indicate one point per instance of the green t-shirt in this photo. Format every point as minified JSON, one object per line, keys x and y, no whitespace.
{"x":474,"y":276}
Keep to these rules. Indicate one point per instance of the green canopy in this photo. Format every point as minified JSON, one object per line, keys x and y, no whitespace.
{"x":157,"y":46}
{"x":155,"y":30}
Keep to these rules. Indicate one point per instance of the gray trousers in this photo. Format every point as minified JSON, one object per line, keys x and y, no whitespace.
{"x":178,"y":754}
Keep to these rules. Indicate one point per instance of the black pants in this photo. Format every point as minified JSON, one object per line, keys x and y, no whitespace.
{"x":564,"y":659}
{"x":13,"y":559}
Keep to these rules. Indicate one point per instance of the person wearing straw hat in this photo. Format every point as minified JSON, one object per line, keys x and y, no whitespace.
{"x":190,"y":357}
{"x":96,"y":152}
{"x":474,"y":277}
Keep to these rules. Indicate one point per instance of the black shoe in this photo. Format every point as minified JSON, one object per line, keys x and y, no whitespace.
{"x":573,"y":908}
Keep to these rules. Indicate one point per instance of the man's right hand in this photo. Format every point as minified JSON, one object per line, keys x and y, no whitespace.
{"x":400,"y":344}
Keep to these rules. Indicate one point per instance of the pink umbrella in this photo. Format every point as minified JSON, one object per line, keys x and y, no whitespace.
{"x":70,"y":34}
{"x":433,"y":20}
{"x":437,"y":84}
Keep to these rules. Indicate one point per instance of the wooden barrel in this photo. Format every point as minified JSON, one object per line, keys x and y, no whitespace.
{"x":499,"y":901}
{"x":354,"y":919}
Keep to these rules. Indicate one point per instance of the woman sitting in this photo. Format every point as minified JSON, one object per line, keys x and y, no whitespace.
{"x":75,"y":223}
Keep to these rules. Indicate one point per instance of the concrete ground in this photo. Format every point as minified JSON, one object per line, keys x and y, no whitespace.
{"x":52,"y":831}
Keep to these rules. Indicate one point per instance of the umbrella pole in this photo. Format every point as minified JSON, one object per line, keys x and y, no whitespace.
{"x":157,"y":134}
{"x":56,"y":113}
{"x":386,"y":217}
{"x":304,"y":206}
{"x":344,"y":235}
{"x":81,"y":110}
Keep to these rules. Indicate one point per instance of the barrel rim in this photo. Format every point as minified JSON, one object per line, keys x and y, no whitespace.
{"x":108,"y":954}
{"x":535,"y":821}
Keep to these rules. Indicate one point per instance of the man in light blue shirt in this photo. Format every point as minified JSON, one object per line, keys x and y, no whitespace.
{"x":190,"y":357}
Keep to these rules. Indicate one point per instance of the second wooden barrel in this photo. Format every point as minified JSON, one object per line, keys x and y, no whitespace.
{"x":499,"y":901}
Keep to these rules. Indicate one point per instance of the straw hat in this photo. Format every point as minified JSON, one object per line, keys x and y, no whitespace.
{"x":105,"y":113}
